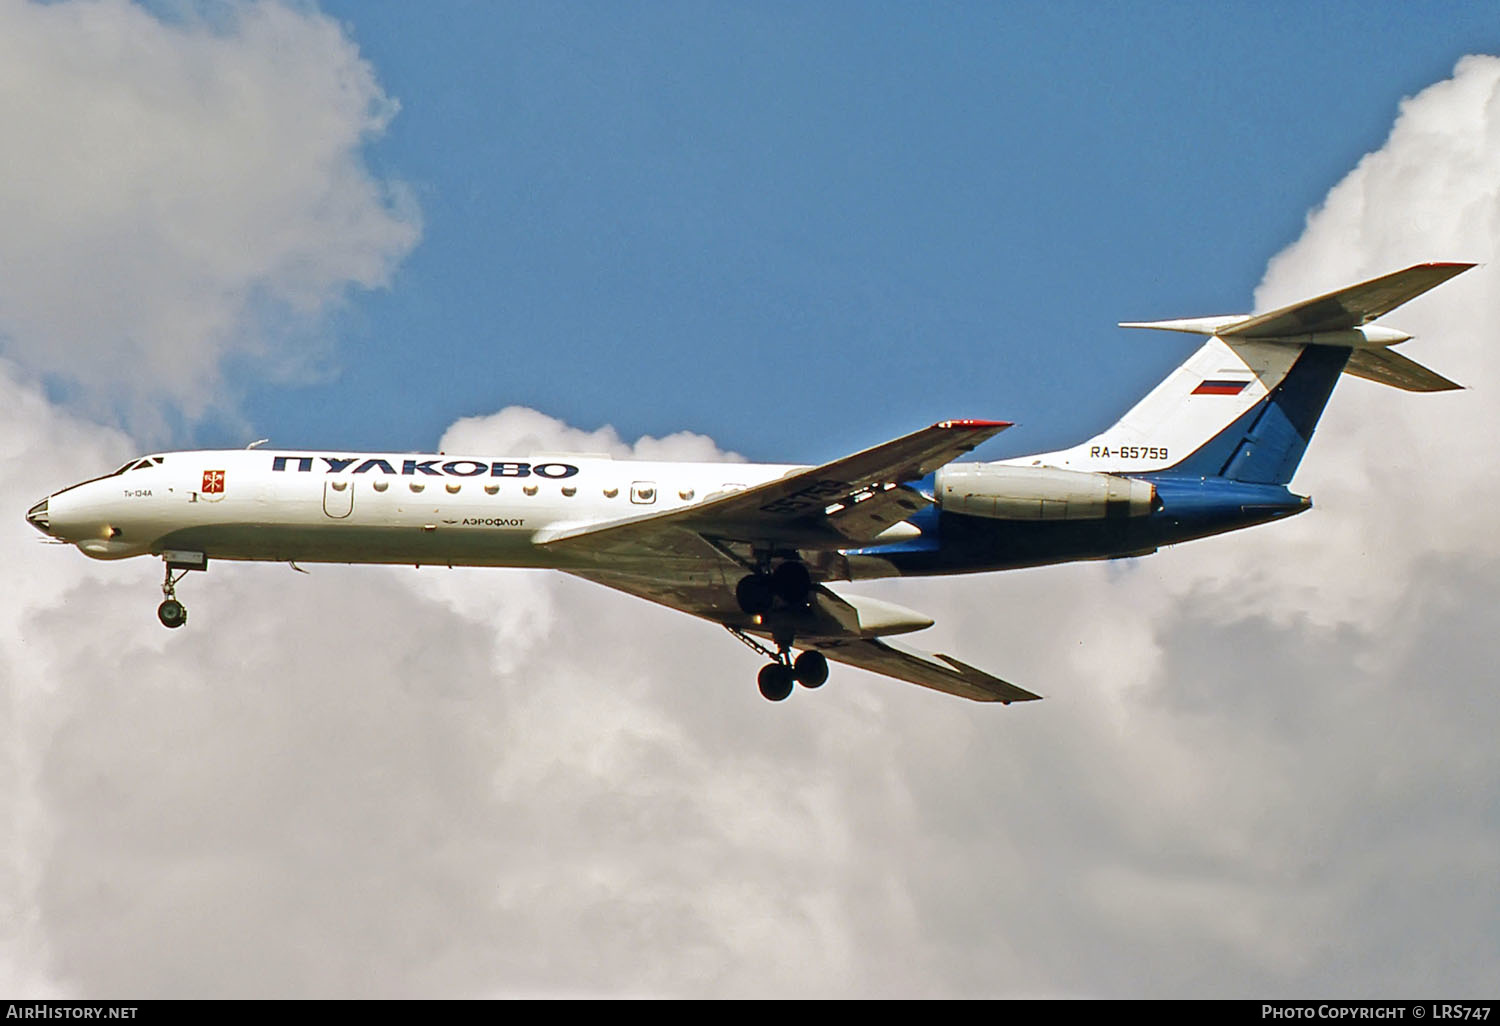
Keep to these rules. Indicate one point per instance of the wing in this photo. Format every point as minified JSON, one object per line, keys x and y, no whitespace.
{"x":837,"y":626}
{"x":682,"y":558}
{"x":836,"y":505}
{"x":939,"y":672}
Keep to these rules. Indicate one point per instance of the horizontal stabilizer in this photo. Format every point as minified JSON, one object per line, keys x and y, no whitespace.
{"x":1344,"y":310}
{"x":1339,"y":319}
{"x":1347,"y":308}
{"x":1390,"y":368}
{"x":1190,"y":325}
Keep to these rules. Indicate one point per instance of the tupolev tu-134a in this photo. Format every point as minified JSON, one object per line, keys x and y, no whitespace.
{"x":756,"y":547}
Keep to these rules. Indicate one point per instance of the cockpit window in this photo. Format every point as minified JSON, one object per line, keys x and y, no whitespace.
{"x":145,"y":464}
{"x":136,"y":463}
{"x":139,"y":464}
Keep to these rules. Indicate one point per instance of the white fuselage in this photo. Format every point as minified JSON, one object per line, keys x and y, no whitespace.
{"x":373,"y":507}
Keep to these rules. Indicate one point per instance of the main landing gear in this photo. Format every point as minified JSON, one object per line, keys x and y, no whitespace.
{"x":810,"y":669}
{"x":792,"y":585}
{"x":776,"y":679}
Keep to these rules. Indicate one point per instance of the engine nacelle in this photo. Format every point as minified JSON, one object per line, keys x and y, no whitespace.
{"x":1006,"y":492}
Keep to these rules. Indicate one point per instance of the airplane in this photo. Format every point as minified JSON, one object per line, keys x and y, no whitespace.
{"x":755,"y":547}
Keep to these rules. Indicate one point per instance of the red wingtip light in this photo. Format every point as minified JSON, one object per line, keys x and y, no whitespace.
{"x":971,"y":424}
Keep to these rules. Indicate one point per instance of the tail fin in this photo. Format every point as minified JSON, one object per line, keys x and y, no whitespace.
{"x":1244,"y":406}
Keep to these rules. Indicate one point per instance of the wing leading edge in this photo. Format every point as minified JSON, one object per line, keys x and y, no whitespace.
{"x":814,"y":507}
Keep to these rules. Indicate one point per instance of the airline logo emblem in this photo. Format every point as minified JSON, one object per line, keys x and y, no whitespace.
{"x":431,"y":467}
{"x":213,"y":482}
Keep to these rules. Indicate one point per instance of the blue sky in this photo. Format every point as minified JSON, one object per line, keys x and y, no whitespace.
{"x":801,"y":228}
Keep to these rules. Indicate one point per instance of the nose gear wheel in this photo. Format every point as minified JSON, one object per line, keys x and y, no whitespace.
{"x":171,"y":613}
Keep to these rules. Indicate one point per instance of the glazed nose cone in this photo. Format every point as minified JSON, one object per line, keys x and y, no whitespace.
{"x":37,"y":517}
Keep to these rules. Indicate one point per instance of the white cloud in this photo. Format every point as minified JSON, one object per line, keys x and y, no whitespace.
{"x":519,"y":429}
{"x":1404,"y":463}
{"x":179,"y":194}
{"x":41,"y":447}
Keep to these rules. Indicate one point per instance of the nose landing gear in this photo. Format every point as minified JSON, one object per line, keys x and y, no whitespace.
{"x":172,"y":613}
